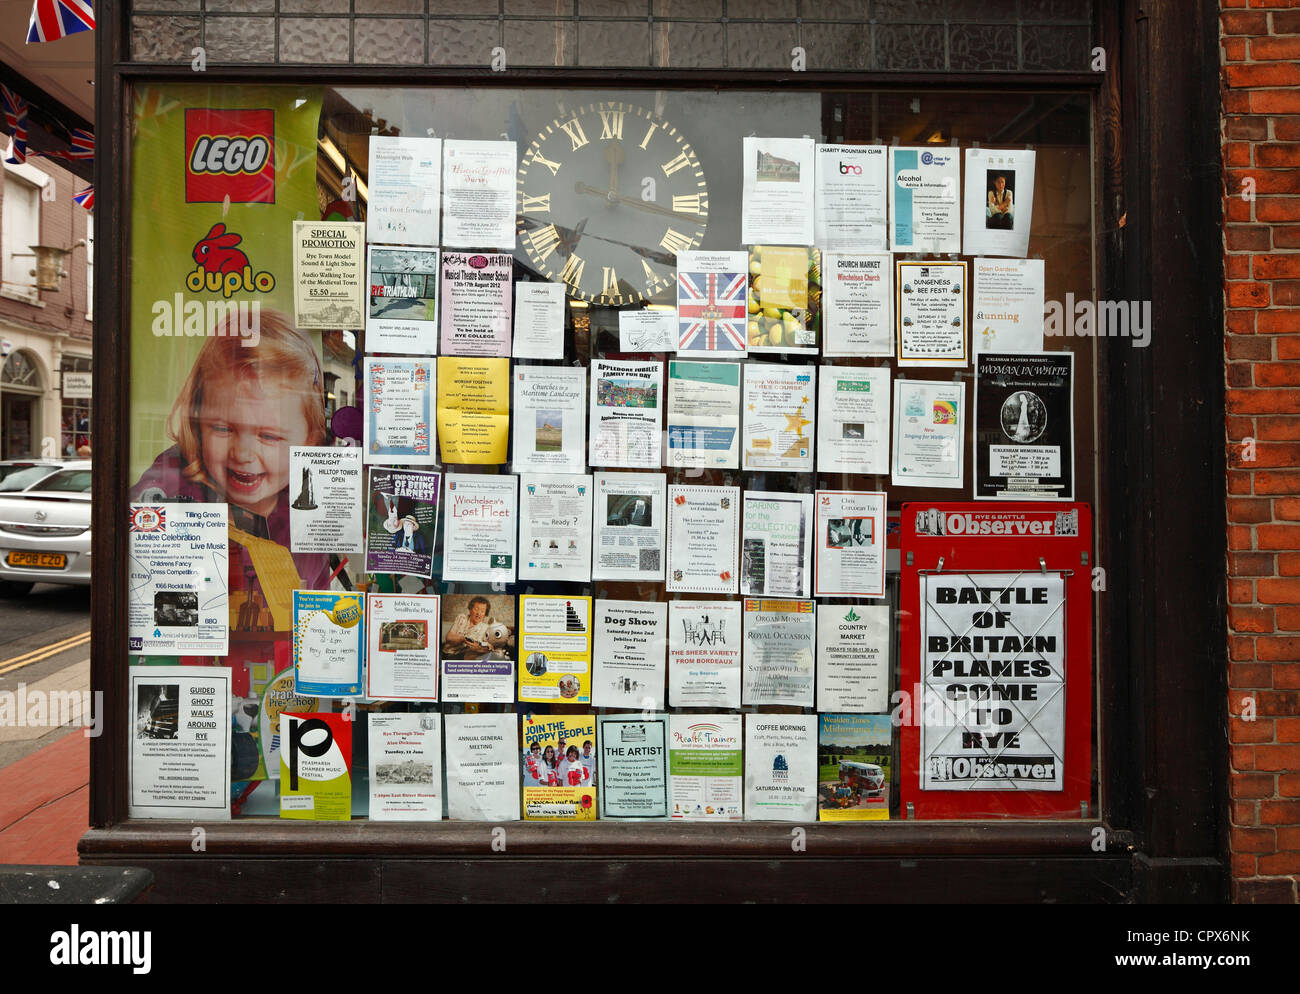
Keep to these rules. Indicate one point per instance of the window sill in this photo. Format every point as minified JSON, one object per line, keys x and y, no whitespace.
{"x":34,"y":300}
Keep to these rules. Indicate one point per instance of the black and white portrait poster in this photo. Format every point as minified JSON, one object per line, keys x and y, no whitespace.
{"x":1024,"y":426}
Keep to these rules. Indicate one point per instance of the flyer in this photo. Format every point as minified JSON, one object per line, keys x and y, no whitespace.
{"x":479,"y":530}
{"x":555,"y":648}
{"x":999,"y":201}
{"x":652,"y":329}
{"x":330,"y":488}
{"x":776,"y":548}
{"x":929,"y":433}
{"x":704,"y":414}
{"x":278,"y":697}
{"x":925,"y":200}
{"x":859,"y":303}
{"x":328,"y":274}
{"x":402,"y":315}
{"x":405,"y":766}
{"x":398,"y":411}
{"x":478,"y":648}
{"x":633,"y":766}
{"x":559,"y":767}
{"x":785,"y":299}
{"x":478,"y":194}
{"x":706,"y":767}
{"x":1024,"y":426}
{"x":539,"y":320}
{"x":628,"y":526}
{"x":852,"y":182}
{"x":853,"y":658}
{"x":178,"y":601}
{"x":703,"y":539}
{"x":316,"y":766}
{"x":1007,"y":306}
{"x":777,"y":185}
{"x":779,"y":656}
{"x":780,"y":767}
{"x":550,"y":419}
{"x":778,"y":419}
{"x":853,"y":420}
{"x":712,"y":292}
{"x":854,"y":760}
{"x":180,"y":742}
{"x":402,"y":521}
{"x":482,"y":753}
{"x":474,"y":410}
{"x":628,"y":658}
{"x":329,"y":643}
{"x":626,"y":413}
{"x":850,"y":533}
{"x":476,"y":303}
{"x":402,"y":657}
{"x":555,"y":527}
{"x":931,"y":313}
{"x":404,"y":184}
{"x":704,"y":648}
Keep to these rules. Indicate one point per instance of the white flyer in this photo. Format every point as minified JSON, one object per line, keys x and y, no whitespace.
{"x":999,"y":201}
{"x":402,"y":657}
{"x":706,"y":767}
{"x":482,"y":767}
{"x":925,"y":199}
{"x":853,"y":420}
{"x":626,"y":413}
{"x":630,"y":648}
{"x":704,"y":414}
{"x":404,"y":177}
{"x":405,"y":766}
{"x":859,"y":305}
{"x":853,"y":658}
{"x":780,"y":652}
{"x":931,"y":313}
{"x":550,"y":424}
{"x":539,"y":320}
{"x":628,"y":526}
{"x":329,"y":274}
{"x":778,"y":191}
{"x":776,"y":548}
{"x":177,"y":596}
{"x":780,"y":767}
{"x":555,"y":527}
{"x":401,"y":300}
{"x":478,"y":194}
{"x":852,"y":182}
{"x":325,"y":514}
{"x":703,"y":539}
{"x":704,"y":653}
{"x":397,"y":412}
{"x":929,"y":433}
{"x":652,"y":329}
{"x":850,"y":543}
{"x":778,"y":419}
{"x":1007,"y":307}
{"x":478,"y":542}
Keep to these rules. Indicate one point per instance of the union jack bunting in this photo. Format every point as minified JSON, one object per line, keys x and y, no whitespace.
{"x":86,"y":198}
{"x":711,"y":312}
{"x":81,"y":146}
{"x":15,"y":108}
{"x":54,"y":19}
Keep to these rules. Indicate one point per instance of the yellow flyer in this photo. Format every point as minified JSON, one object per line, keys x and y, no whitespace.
{"x":559,"y":767}
{"x":555,"y":649}
{"x":473,"y":409}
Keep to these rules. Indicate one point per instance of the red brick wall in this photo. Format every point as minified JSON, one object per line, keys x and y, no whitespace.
{"x":1261,"y":142}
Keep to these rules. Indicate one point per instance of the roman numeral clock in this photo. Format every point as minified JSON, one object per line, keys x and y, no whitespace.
{"x":607,"y":196}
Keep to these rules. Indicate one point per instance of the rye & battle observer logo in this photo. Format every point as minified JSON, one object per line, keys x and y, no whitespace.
{"x":229,"y":153}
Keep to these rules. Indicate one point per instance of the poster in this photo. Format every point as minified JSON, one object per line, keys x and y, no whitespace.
{"x":778,"y":418}
{"x":633,"y":766}
{"x":853,"y":420}
{"x":850,"y":533}
{"x":328,"y":274}
{"x":993,"y":678}
{"x":476,"y":303}
{"x":999,"y":201}
{"x":851,"y":191}
{"x":555,"y":527}
{"x":859,"y":301}
{"x":180,"y":742}
{"x":550,"y":419}
{"x":854,"y":761}
{"x":1024,"y":426}
{"x":402,"y":655}
{"x":649,"y":330}
{"x":628,"y":526}
{"x":1007,"y":307}
{"x":404,"y":177}
{"x":703,"y":539}
{"x":631,"y":641}
{"x":402,"y":298}
{"x":178,"y":602}
{"x":929,"y":433}
{"x":555,"y":649}
{"x":706,"y":767}
{"x":712,"y":292}
{"x":853,"y":658}
{"x":539,"y":320}
{"x":478,"y":648}
{"x":704,"y":652}
{"x":278,"y":697}
{"x":626,"y":413}
{"x":785,"y":300}
{"x":779,"y":656}
{"x":478,"y":194}
{"x":482,"y":767}
{"x":398,"y":411}
{"x":777,"y":185}
{"x":931,"y":313}
{"x":405,"y":766}
{"x":776,"y":548}
{"x":328,"y":490}
{"x":473,"y":410}
{"x":402,"y":521}
{"x":316,"y":766}
{"x":780,"y":767}
{"x":704,"y":414}
{"x":479,"y":528}
{"x":924,"y":200}
{"x":559,"y":767}
{"x":329,"y":642}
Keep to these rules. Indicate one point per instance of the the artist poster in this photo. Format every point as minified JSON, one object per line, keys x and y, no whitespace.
{"x":478,"y":648}
{"x":779,"y":657}
{"x":850,"y":541}
{"x":1024,"y":426}
{"x":852,"y":191}
{"x":482,"y":767}
{"x":703,"y":539}
{"x":550,"y":419}
{"x":853,"y":420}
{"x":705,"y":639}
{"x":402,"y":300}
{"x":780,"y":767}
{"x":330,"y":489}
{"x":555,"y":527}
{"x":626,"y":413}
{"x":405,"y":766}
{"x":474,"y":410}
{"x":776,"y":545}
{"x":854,"y":763}
{"x":704,"y":414}
{"x":478,"y":194}
{"x":706,"y":767}
{"x":853,"y":658}
{"x":711,"y":304}
{"x":630,"y":647}
{"x":633,"y":766}
{"x":925,"y":200}
{"x":329,"y":642}
{"x":404,"y":184}
{"x":929,"y":433}
{"x":628,"y":526}
{"x":476,"y":303}
{"x":398,"y":411}
{"x":1007,"y":306}
{"x":778,"y":191}
{"x":328,"y":274}
{"x":785,"y":299}
{"x":480,"y":528}
{"x":316,"y":766}
{"x":555,"y":649}
{"x":778,"y":417}
{"x":999,"y":201}
{"x":539,"y":320}
{"x":180,"y":742}
{"x":559,"y":766}
{"x":931,"y":298}
{"x":402,"y":521}
{"x":402,"y":656}
{"x":859,"y":301}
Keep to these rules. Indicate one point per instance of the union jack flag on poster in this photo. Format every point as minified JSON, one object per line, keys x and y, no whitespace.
{"x":711,"y":294}
{"x":53,"y":19}
{"x":15,"y":109}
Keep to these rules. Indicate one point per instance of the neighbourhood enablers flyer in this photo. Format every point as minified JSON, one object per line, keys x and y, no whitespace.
{"x":555,"y":649}
{"x":555,"y":527}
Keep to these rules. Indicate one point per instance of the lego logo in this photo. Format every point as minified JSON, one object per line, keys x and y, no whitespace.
{"x":229,"y":156}
{"x":229,"y":153}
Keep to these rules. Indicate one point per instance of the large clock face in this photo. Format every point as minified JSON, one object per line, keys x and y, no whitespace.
{"x":608,"y":195}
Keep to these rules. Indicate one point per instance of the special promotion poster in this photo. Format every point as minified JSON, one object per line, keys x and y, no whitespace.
{"x":706,"y":767}
{"x":328,"y":274}
{"x":999,"y":201}
{"x":555,"y":527}
{"x":626,"y":413}
{"x":329,"y":643}
{"x":1007,"y":308}
{"x":853,"y":658}
{"x":704,"y":414}
{"x":776,"y":548}
{"x":398,"y":411}
{"x":402,"y":521}
{"x":778,"y":419}
{"x":704,"y":653}
{"x":628,"y":526}
{"x":473,"y":410}
{"x":852,"y":182}
{"x":859,"y":305}
{"x":330,"y":488}
{"x":780,"y":767}
{"x":476,"y":303}
{"x":560,"y":767}
{"x":931,"y":313}
{"x":853,"y":420}
{"x":850,"y":543}
{"x":780,"y":639}
{"x":555,"y":648}
{"x":633,"y":766}
{"x":1024,"y":426}
{"x":925,"y":200}
{"x":402,"y":312}
{"x":478,"y":648}
{"x":550,"y":423}
{"x":402,"y":655}
{"x":703,"y":539}
{"x":929,"y":432}
{"x":777,"y":189}
{"x":405,"y":766}
{"x":854,"y":762}
{"x":482,"y":767}
{"x":479,"y":528}
{"x":630,"y":647}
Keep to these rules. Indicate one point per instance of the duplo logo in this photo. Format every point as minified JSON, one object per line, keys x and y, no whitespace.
{"x":221,"y":268}
{"x":94,"y":948}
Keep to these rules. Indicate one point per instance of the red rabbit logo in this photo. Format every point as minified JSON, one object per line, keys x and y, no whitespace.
{"x":216,"y":252}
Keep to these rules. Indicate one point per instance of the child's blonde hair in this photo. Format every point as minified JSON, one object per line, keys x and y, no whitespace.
{"x":282,"y":352}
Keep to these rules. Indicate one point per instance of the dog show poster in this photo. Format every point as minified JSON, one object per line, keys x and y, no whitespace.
{"x":555,"y":649}
{"x":559,"y":767}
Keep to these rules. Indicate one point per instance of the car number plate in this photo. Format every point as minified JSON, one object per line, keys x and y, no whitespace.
{"x":41,"y":560}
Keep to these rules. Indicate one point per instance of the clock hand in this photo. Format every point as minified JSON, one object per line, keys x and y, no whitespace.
{"x":614,"y":156}
{"x":636,"y":202}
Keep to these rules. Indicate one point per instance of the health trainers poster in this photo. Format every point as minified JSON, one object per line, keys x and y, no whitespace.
{"x":559,"y":767}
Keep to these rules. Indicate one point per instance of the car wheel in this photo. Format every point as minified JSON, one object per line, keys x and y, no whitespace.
{"x":15,"y":588}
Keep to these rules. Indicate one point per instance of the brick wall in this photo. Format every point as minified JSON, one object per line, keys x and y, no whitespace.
{"x":1260,"y":42}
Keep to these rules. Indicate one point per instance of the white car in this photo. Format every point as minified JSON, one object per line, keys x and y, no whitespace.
{"x":26,"y":474}
{"x":45,"y":533}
